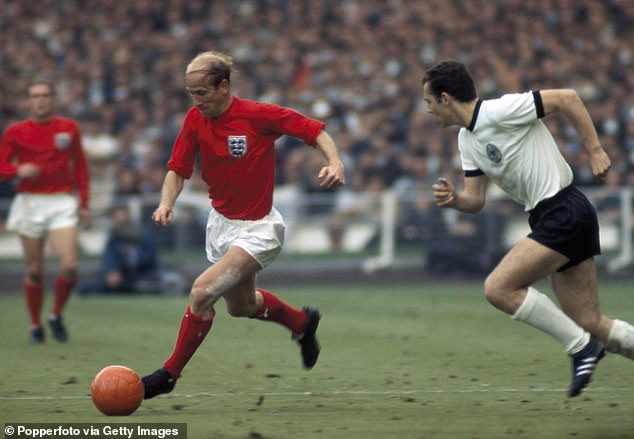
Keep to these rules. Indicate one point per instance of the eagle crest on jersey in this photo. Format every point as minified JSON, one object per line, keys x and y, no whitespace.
{"x":62,"y":140}
{"x":237,"y":146}
{"x":494,"y":154}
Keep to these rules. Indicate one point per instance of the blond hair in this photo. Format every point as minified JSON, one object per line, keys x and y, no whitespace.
{"x":216,"y":66}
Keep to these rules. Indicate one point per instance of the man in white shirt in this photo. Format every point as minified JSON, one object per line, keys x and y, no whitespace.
{"x":504,"y":140}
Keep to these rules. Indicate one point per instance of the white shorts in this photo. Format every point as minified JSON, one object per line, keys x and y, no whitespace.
{"x":262,"y":239}
{"x":33,"y":215}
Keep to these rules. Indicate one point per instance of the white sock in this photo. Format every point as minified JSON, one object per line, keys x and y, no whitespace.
{"x":621,"y":339}
{"x":540,"y":312}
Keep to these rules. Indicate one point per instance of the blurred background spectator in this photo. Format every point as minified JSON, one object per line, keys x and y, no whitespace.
{"x":355,"y":64}
{"x":130,"y":260}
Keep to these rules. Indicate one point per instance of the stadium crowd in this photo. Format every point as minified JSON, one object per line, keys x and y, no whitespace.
{"x":356,"y":64}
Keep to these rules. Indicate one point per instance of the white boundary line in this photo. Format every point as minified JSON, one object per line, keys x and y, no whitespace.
{"x":342,"y":393}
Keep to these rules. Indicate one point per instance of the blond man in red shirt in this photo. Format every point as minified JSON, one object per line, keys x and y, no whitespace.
{"x":234,"y":140}
{"x":45,"y":154}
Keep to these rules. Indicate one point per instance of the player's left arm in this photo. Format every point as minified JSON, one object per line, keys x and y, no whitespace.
{"x":331,"y":175}
{"x":471,"y":199}
{"x":568,"y":102}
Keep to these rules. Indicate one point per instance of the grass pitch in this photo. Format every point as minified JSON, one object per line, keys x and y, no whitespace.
{"x":425,"y":361}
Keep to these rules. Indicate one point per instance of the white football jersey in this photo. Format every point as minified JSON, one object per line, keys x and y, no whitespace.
{"x":513,"y":147}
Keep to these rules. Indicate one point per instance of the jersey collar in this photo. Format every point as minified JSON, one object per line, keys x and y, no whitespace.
{"x":474,"y":118}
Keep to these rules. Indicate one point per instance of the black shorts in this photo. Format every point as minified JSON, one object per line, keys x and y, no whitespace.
{"x":568,"y":224}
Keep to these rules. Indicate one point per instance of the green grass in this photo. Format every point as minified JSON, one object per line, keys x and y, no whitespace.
{"x":426,"y":361}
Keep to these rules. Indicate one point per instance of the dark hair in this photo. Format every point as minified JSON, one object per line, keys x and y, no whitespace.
{"x":451,"y":77}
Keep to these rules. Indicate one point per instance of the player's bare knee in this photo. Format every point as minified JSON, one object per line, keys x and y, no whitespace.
{"x":495,"y":299}
{"x":202,"y":298}
{"x":33,"y":277}
{"x":69,"y":273}
{"x":492,"y":292}
{"x":496,"y":294}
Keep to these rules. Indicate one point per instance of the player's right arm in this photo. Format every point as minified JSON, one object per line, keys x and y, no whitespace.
{"x":172,"y":187}
{"x":470,"y":200}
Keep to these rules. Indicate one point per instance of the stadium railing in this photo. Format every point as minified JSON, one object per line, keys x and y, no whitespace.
{"x":386,"y":230}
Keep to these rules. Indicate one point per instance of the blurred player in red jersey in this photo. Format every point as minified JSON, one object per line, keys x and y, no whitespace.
{"x":234,"y":139}
{"x":45,"y":153}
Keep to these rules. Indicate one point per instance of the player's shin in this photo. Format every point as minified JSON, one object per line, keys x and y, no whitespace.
{"x":63,"y":288}
{"x":540,"y":312}
{"x":192,"y":332}
{"x":34,"y":295}
{"x":276,"y":310}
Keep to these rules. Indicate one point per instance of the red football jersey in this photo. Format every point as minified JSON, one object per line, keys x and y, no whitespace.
{"x":237,"y":153}
{"x":55,"y":146}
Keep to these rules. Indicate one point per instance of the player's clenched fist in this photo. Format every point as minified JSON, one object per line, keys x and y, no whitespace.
{"x":444,"y":192}
{"x":331,"y":176}
{"x":162,"y":216}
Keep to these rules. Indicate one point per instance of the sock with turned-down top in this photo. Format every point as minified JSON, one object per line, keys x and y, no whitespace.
{"x":621,"y":339}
